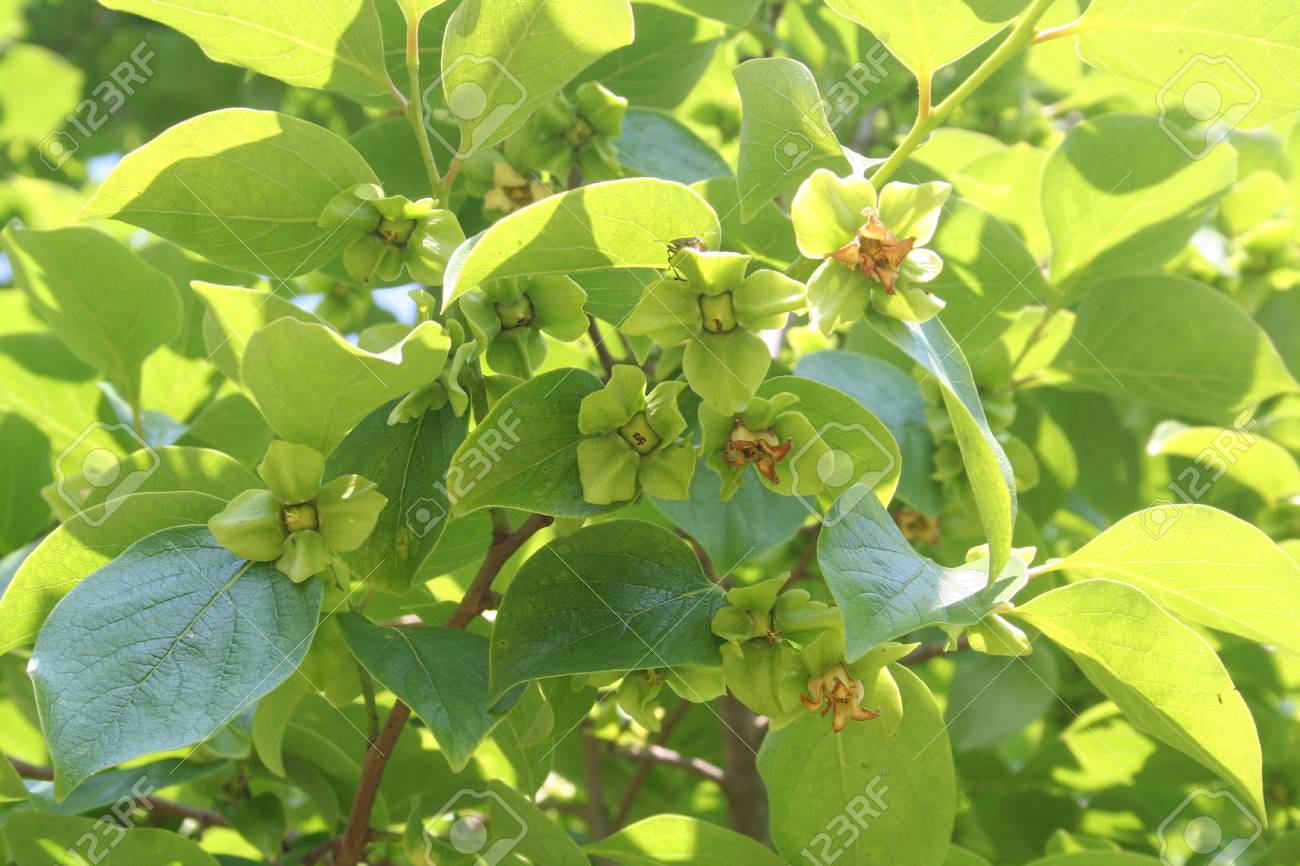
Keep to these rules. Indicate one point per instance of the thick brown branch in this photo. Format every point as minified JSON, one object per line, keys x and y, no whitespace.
{"x":647,"y":764}
{"x":478,"y":598}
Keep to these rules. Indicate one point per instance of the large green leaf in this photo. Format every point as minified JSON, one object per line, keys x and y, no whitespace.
{"x":313,"y":386}
{"x":110,"y":308}
{"x":988,"y":275}
{"x":92,"y":537}
{"x":658,"y":145}
{"x":524,"y":454}
{"x":992,"y":698}
{"x":441,"y":673}
{"x":863,"y":454}
{"x":752,"y":522}
{"x":885,"y":589}
{"x":1120,"y":198}
{"x":44,"y":839}
{"x":25,"y":471}
{"x":683,"y":841}
{"x":233,"y":314}
{"x":333,"y":46}
{"x":863,"y":797}
{"x":894,"y":397}
{"x":502,"y":61}
{"x":1247,"y":62}
{"x":930,"y":345}
{"x":618,"y":596}
{"x":785,"y":135}
{"x":1162,"y":674}
{"x":1242,"y":456}
{"x":243,"y":188}
{"x":408,"y":462}
{"x":1096,"y":858}
{"x":1140,"y":338}
{"x":671,"y":52}
{"x":1204,"y":565}
{"x":617,"y":224}
{"x":159,"y":648}
{"x":928,"y":34}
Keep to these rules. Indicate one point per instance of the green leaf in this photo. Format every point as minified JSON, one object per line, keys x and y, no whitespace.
{"x":958,"y":856}
{"x":109,"y":307}
{"x":992,"y":698}
{"x":1204,"y":565}
{"x":335,"y":46}
{"x":43,"y":839}
{"x":500,"y":63}
{"x":616,"y":224}
{"x":12,"y":788}
{"x":1240,"y":455}
{"x":1243,"y":59}
{"x":864,"y":455}
{"x":1096,"y":858}
{"x":862,"y":797}
{"x":408,"y":463}
{"x":159,"y":648}
{"x":928,"y":34}
{"x":930,"y":345}
{"x":885,"y":589}
{"x":187,"y":486}
{"x":441,"y":673}
{"x":233,"y":314}
{"x":784,"y":134}
{"x":28,"y":113}
{"x":1138,"y":338}
{"x":659,"y":145}
{"x":25,"y":471}
{"x":1164,"y":676}
{"x":671,"y":52}
{"x":617,"y":596}
{"x":988,"y":275}
{"x":313,"y":386}
{"x":240,"y":187}
{"x":894,"y":397}
{"x":683,"y":841}
{"x":754,"y":521}
{"x":524,"y":454}
{"x":1120,"y":198}
{"x":542,"y":840}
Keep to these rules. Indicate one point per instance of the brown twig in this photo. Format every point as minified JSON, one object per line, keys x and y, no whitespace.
{"x":746,"y":797}
{"x":923,"y":654}
{"x":602,"y":351}
{"x":647,"y":764}
{"x":477,"y":599}
{"x":597,"y":819}
{"x":701,"y":554}
{"x":204,"y":817}
{"x":658,"y":754}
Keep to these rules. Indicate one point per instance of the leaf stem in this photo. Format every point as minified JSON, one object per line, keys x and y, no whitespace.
{"x":415,"y":107}
{"x":1059,"y":32}
{"x":1021,"y":35}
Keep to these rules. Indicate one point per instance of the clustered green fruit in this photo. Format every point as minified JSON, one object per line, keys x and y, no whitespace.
{"x":448,"y":388}
{"x":872,"y":247}
{"x":396,"y":233}
{"x":509,"y":317}
{"x":567,"y":133}
{"x":634,"y":440}
{"x":712,"y":307}
{"x":298,"y":523}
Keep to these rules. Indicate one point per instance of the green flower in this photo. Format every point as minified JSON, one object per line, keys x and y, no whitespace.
{"x":873,"y":248}
{"x":566,"y":133}
{"x":297,"y":522}
{"x":508,"y":317}
{"x":397,"y":232}
{"x":779,"y":442}
{"x":717,"y":312}
{"x":636,"y":440}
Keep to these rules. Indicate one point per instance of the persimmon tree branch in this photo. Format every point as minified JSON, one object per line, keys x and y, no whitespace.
{"x":478,"y":598}
{"x":1021,"y":35}
{"x":203,"y":817}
